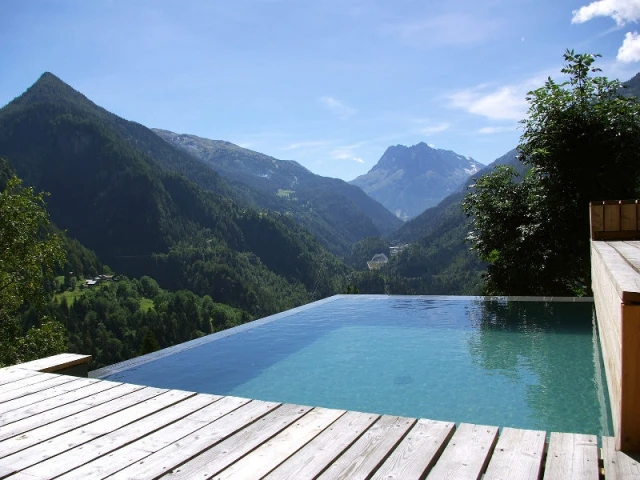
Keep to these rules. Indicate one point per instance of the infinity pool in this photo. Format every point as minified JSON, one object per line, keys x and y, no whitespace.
{"x":526,"y":364}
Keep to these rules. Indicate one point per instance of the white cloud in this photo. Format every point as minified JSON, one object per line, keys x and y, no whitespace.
{"x":336,"y":106}
{"x":432,"y":145}
{"x":301,"y":145}
{"x":503,"y":103}
{"x":347,"y":153}
{"x":492,"y":130}
{"x":431,"y":129}
{"x":630,"y":50}
{"x":622,"y":11}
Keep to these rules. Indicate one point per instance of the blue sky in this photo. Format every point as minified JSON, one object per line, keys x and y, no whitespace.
{"x":329,"y":83}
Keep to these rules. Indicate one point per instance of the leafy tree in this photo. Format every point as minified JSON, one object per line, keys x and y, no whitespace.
{"x":29,"y":253}
{"x":149,"y":343}
{"x":580,"y":140}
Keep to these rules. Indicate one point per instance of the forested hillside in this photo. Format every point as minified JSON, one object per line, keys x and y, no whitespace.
{"x":118,"y":189}
{"x":337,"y":213}
{"x":436,"y":259}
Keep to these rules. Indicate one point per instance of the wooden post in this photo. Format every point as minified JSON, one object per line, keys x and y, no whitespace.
{"x":615,"y":274}
{"x":628,"y":439}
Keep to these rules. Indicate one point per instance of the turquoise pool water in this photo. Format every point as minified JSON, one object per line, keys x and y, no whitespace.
{"x":526,"y":364}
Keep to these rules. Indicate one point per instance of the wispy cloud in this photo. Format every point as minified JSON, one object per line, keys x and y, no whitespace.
{"x":339,"y":108}
{"x":303,"y":145}
{"x":630,"y":50}
{"x":347,"y":152}
{"x":622,"y":11}
{"x":445,"y":30}
{"x":501,"y":103}
{"x":432,"y":129}
{"x":492,"y":130}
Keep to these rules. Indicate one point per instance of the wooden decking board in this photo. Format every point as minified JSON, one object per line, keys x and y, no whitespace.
{"x":138,"y":450}
{"x":41,"y":396}
{"x":188,"y":447}
{"x":119,"y":438}
{"x":234,"y":447}
{"x":60,"y":427}
{"x":96,"y":429}
{"x":56,"y":362}
{"x":370,"y":450}
{"x":23,"y":395}
{"x":57,"y":401}
{"x":55,"y":446}
{"x":517,"y":455}
{"x":467,"y":453}
{"x":19,"y":422}
{"x":30,"y":384}
{"x":619,"y":465}
{"x":629,"y":251}
{"x":313,"y":458}
{"x":269,"y":455}
{"x":11,"y":374}
{"x":417,"y":452}
{"x":572,"y":456}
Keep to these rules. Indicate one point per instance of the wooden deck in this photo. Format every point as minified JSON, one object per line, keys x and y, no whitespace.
{"x":58,"y":426}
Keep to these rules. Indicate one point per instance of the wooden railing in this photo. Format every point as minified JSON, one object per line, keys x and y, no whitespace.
{"x":615,"y":220}
{"x":615,"y":267}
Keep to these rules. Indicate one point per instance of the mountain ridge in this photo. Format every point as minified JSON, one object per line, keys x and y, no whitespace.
{"x":336,"y":212}
{"x":125,"y":193}
{"x":407,"y":180}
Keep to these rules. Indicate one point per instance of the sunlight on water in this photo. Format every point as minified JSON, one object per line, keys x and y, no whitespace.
{"x":521,"y":364}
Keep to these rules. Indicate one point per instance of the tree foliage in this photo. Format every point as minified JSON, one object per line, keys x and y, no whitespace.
{"x":29,"y":253}
{"x":580,"y":140}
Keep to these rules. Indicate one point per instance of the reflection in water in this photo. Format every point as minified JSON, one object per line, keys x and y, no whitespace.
{"x":498,"y":345}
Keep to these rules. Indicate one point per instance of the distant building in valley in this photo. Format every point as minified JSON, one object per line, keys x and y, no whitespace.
{"x":378,"y":260}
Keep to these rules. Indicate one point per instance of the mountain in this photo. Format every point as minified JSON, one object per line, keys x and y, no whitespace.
{"x":438,"y":260}
{"x":336,"y":212}
{"x":631,"y":87}
{"x":147,"y":208}
{"x":407,"y":180}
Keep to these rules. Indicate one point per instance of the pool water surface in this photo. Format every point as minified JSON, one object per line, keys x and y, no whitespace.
{"x":525,"y":364}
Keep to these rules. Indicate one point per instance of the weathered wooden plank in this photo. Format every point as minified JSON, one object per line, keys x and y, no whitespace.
{"x":467,"y":453}
{"x":622,"y":274}
{"x":25,"y":391}
{"x":619,"y":465}
{"x":20,"y":385}
{"x":370,"y":450}
{"x":131,"y":432}
{"x":597,"y":219}
{"x":44,"y":413}
{"x":59,"y":427}
{"x":314,"y":457}
{"x":11,"y":374}
{"x":628,"y":216}
{"x":225,"y":453}
{"x":37,"y":397}
{"x":517,"y":456}
{"x":268,"y":456}
{"x":56,"y":362}
{"x":417,"y":452}
{"x":612,"y":216}
{"x":629,"y":251}
{"x":186,"y":448}
{"x":572,"y":456}
{"x":73,"y":438}
{"x":123,"y":457}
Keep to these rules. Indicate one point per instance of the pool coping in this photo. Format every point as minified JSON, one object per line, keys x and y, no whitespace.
{"x":141,"y":360}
